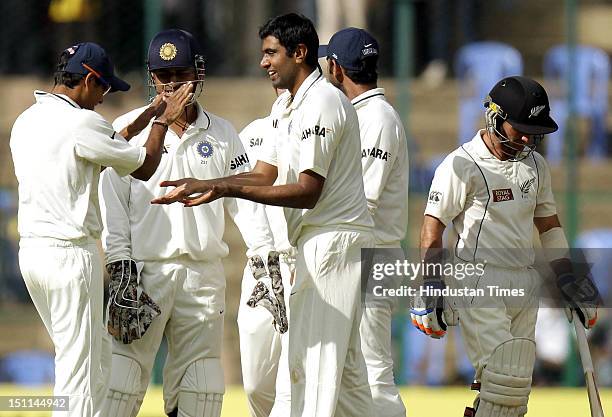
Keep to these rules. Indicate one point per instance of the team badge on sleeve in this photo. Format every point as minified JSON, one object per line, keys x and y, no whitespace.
{"x":434,"y":197}
{"x":205,"y":149}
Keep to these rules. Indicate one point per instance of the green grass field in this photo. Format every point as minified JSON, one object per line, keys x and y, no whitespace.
{"x":420,"y":402}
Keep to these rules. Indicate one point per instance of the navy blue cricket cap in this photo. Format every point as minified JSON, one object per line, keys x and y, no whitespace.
{"x":349,"y":47}
{"x":89,"y":57}
{"x":173,"y":48}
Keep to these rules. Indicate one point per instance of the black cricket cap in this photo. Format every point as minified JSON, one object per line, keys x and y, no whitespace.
{"x":349,"y":47}
{"x":89,"y":57}
{"x":173,"y":48}
{"x":523,"y":103}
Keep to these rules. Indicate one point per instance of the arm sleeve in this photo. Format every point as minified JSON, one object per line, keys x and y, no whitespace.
{"x":250,"y":217}
{"x":545,"y":203}
{"x":114,"y":207}
{"x":97,"y":142}
{"x":319,"y":131}
{"x":387,"y":139}
{"x":447,"y":195}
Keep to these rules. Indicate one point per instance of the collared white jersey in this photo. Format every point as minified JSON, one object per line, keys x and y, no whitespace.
{"x":384,"y":159}
{"x":253,"y":137}
{"x":137,"y":229}
{"x":491,"y":203}
{"x":58,"y":150}
{"x":318,"y":130}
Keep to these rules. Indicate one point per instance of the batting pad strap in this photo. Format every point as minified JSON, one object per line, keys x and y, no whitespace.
{"x":555,"y":244}
{"x":506,"y":379}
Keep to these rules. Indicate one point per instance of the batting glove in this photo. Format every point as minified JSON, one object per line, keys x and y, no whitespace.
{"x":581,"y":295}
{"x":427,"y":313}
{"x":130,"y":309}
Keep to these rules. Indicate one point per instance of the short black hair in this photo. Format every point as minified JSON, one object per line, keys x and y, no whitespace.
{"x":61,"y":77}
{"x":367,"y":74}
{"x":292,"y":29}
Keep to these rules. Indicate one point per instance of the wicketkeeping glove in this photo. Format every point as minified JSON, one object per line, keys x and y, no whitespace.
{"x":581,"y":295}
{"x":428,"y":313}
{"x":269,"y":291}
{"x":130,"y":309}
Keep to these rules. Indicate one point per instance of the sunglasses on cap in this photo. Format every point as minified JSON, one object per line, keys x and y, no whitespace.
{"x":105,"y":84}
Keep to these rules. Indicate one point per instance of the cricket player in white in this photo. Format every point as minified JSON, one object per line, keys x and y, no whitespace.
{"x":178,"y":251}
{"x":263,"y":350}
{"x":352,"y":57}
{"x":492,"y":191}
{"x":316,"y":159}
{"x":59,"y":146}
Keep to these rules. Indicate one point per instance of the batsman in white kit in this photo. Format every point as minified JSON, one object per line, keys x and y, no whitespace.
{"x":59,"y":146}
{"x":263,"y":348}
{"x":315,"y":158}
{"x":492,"y":191}
{"x":170,"y":255}
{"x":352,"y":58}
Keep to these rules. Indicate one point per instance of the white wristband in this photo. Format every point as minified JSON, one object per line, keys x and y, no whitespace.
{"x":554,"y":244}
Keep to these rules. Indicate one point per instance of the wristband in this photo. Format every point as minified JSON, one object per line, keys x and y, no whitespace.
{"x":161,"y":123}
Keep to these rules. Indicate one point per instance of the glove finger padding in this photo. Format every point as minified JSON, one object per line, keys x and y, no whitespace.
{"x":274,"y":300}
{"x":581,"y":295}
{"x":130,"y":310}
{"x":427,"y":313}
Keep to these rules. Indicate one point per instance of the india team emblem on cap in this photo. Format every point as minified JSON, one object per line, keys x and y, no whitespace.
{"x":167,"y":51}
{"x":205,"y":149}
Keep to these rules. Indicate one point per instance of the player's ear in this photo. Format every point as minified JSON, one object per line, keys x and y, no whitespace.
{"x":89,"y":81}
{"x":300,"y":53}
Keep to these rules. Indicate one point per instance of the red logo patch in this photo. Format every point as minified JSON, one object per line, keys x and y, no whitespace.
{"x":504,"y":194}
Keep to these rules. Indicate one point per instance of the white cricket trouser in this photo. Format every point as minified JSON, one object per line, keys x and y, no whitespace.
{"x":65,"y":281}
{"x":261,"y":351}
{"x":375,"y":331}
{"x":326,"y":365}
{"x":488,"y":321}
{"x":191,"y":296}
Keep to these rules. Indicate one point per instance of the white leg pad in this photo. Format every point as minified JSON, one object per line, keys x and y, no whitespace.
{"x":123,"y":389}
{"x":201,"y":390}
{"x":506,"y":379}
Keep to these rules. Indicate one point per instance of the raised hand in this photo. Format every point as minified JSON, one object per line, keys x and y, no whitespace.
{"x":174,"y":103}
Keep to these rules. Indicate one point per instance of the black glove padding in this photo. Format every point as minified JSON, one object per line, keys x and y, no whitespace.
{"x":581,"y":295}
{"x":130,"y":309}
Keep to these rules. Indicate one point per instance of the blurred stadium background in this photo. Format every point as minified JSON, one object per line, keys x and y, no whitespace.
{"x":438,"y":56}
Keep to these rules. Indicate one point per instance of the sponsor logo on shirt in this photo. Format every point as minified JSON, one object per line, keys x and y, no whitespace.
{"x":239,"y":161}
{"x":255,"y":142}
{"x":275,"y":123}
{"x":526,"y":186}
{"x":434,"y":197}
{"x":316,"y":130}
{"x":505,"y":194}
{"x":205,"y":149}
{"x":375,"y":153}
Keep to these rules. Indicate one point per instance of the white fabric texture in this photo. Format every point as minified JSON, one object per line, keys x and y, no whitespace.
{"x":318,"y":130}
{"x":64,"y":280}
{"x":384,"y":159}
{"x":326,"y":366}
{"x":490,"y":204}
{"x":58,"y":149}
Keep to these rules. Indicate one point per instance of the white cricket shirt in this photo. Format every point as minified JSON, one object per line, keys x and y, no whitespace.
{"x":253,"y":137}
{"x":137,"y":229}
{"x":318,"y":130}
{"x":491,"y":203}
{"x":58,"y":150}
{"x":384,"y":159}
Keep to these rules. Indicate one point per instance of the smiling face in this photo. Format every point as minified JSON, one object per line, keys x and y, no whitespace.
{"x":282,"y":70}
